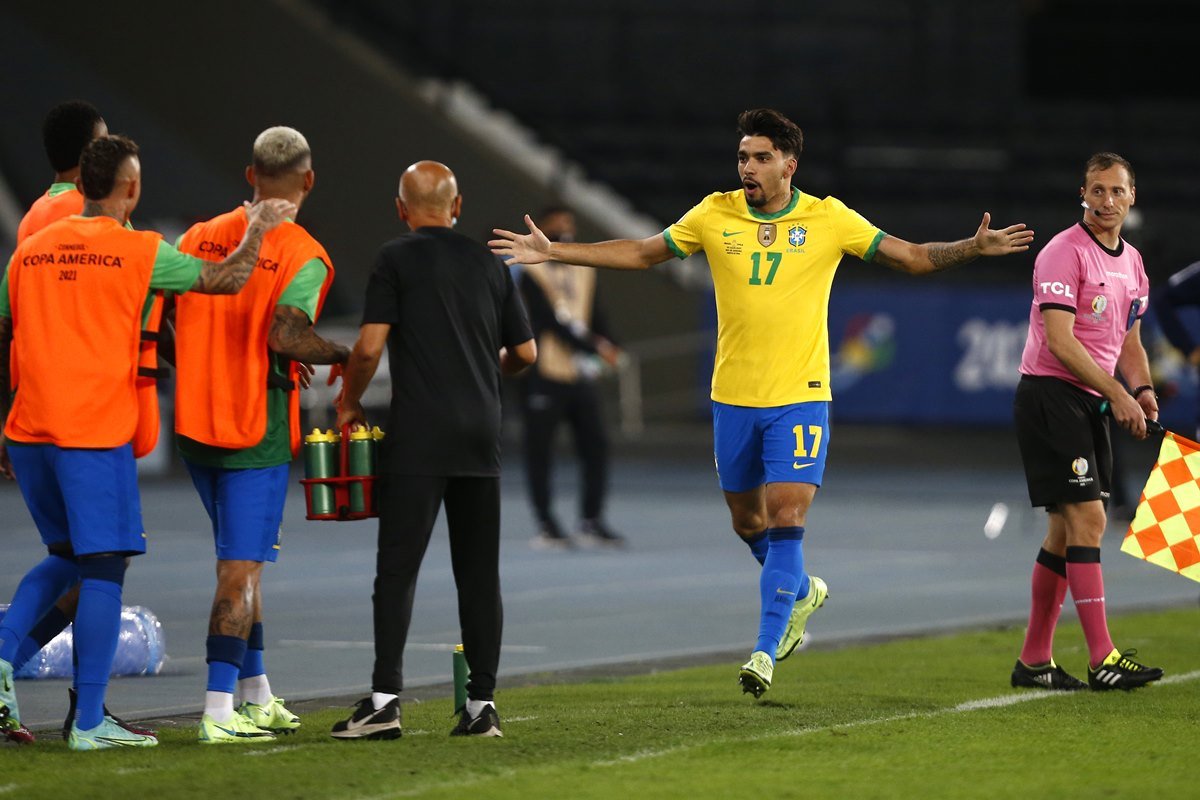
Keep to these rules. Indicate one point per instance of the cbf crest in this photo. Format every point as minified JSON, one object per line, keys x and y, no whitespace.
{"x":766,"y":234}
{"x":796,"y":236}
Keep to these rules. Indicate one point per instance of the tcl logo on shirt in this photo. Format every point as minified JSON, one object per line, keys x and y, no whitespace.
{"x":1057,"y":287}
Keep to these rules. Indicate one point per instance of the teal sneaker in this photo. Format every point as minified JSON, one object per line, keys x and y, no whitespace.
{"x":10,"y":715}
{"x":271,"y":717}
{"x":238,"y":730}
{"x":756,"y":673}
{"x":105,"y":735}
{"x":793,"y":635}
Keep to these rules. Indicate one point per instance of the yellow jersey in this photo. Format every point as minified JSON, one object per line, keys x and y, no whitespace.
{"x":772,"y":274}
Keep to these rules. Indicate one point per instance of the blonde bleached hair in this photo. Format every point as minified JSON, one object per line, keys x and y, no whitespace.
{"x":280,"y":150}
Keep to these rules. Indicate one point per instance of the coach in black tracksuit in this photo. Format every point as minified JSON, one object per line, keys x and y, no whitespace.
{"x":452,"y":321}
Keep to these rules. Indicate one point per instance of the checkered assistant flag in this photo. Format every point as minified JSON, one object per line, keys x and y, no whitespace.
{"x":1165,"y":528}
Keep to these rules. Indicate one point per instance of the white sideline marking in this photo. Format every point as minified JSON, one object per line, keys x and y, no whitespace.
{"x":429,"y":647}
{"x":8,"y":787}
{"x":271,"y":751}
{"x":971,"y":705}
{"x":518,"y":719}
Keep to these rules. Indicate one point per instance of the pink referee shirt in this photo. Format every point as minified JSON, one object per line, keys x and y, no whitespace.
{"x":1106,"y":289}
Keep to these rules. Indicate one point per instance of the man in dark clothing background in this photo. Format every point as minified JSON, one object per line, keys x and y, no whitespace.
{"x":574,"y":346}
{"x":453,"y":323}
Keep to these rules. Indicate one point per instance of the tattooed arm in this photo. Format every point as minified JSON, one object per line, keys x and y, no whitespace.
{"x":292,"y":336}
{"x":230,"y":275}
{"x":6,"y":335}
{"x":919,"y":259}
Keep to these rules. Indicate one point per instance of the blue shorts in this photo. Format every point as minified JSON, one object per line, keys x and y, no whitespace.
{"x":246,"y":509}
{"x":87,"y":499}
{"x":781,"y":444}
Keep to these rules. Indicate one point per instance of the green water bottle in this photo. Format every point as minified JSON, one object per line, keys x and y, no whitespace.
{"x":360,"y":457}
{"x":460,"y":677}
{"x":320,"y":461}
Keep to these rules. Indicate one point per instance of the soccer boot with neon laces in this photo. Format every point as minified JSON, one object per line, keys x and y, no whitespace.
{"x":238,"y":730}
{"x":1045,"y":676}
{"x":271,"y":717}
{"x":755,"y":676}
{"x":105,"y":735}
{"x":1120,"y":671}
{"x":793,"y":635}
{"x":485,"y":723}
{"x":10,"y":713}
{"x":73,"y":698}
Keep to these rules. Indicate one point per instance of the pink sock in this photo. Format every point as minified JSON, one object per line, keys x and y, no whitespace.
{"x":1048,"y":590}
{"x":1087,"y":590}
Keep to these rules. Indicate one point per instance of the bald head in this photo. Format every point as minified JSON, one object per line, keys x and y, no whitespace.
{"x":428,"y":186}
{"x":429,"y":196}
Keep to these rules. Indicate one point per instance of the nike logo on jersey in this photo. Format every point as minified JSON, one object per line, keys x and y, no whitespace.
{"x":727,"y":234}
{"x":802,"y":466}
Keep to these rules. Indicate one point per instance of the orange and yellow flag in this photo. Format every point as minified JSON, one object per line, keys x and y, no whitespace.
{"x":1166,"y":526}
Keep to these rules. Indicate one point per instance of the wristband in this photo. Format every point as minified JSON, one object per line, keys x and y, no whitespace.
{"x":1143,"y":388}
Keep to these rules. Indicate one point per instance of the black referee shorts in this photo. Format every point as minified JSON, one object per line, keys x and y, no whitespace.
{"x":1064,"y":441}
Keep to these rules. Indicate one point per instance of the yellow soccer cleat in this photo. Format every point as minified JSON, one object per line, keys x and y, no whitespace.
{"x":756,"y":673}
{"x":271,"y":717}
{"x":793,"y":635}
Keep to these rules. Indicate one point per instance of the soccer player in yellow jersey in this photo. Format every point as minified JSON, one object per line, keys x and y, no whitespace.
{"x":773,"y":251}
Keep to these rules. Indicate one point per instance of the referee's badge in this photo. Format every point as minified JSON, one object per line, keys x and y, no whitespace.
{"x":766,"y":234}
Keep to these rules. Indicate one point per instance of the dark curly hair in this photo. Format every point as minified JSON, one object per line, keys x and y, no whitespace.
{"x":67,"y":129}
{"x":784,"y":134}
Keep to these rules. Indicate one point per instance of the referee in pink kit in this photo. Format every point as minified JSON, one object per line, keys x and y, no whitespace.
{"x":1089,"y":294}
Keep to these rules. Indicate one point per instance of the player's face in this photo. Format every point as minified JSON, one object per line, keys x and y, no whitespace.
{"x":1108,"y":195}
{"x":766,"y":172}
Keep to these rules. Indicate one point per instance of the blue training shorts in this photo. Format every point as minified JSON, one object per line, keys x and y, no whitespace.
{"x":246,"y":509}
{"x":781,"y":444}
{"x":85,"y":498}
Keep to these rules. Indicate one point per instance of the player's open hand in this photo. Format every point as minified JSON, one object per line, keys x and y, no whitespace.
{"x":266,"y":214}
{"x":1013,"y":239}
{"x":528,"y":248}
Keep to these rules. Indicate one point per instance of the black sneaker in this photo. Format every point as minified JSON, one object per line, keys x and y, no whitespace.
{"x":1120,"y":671}
{"x":550,"y":537}
{"x":486,"y":724}
{"x":367,"y":723}
{"x":1045,"y":676}
{"x":73,"y":697}
{"x":595,"y":532}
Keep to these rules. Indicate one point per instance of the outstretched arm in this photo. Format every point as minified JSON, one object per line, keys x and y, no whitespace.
{"x":534,"y":248}
{"x":920,"y":259}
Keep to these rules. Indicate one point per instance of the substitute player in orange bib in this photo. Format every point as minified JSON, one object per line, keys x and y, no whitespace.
{"x":70,"y":308}
{"x":237,"y":414}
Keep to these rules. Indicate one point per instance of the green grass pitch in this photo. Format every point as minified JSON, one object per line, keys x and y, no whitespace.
{"x":916,"y":718}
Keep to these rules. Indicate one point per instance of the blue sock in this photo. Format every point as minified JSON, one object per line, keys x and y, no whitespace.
{"x":38,"y":591}
{"x":225,"y":657}
{"x":779,"y":584}
{"x":758,"y":544}
{"x":52,"y":624}
{"x":253,"y":665}
{"x":97,"y":630}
